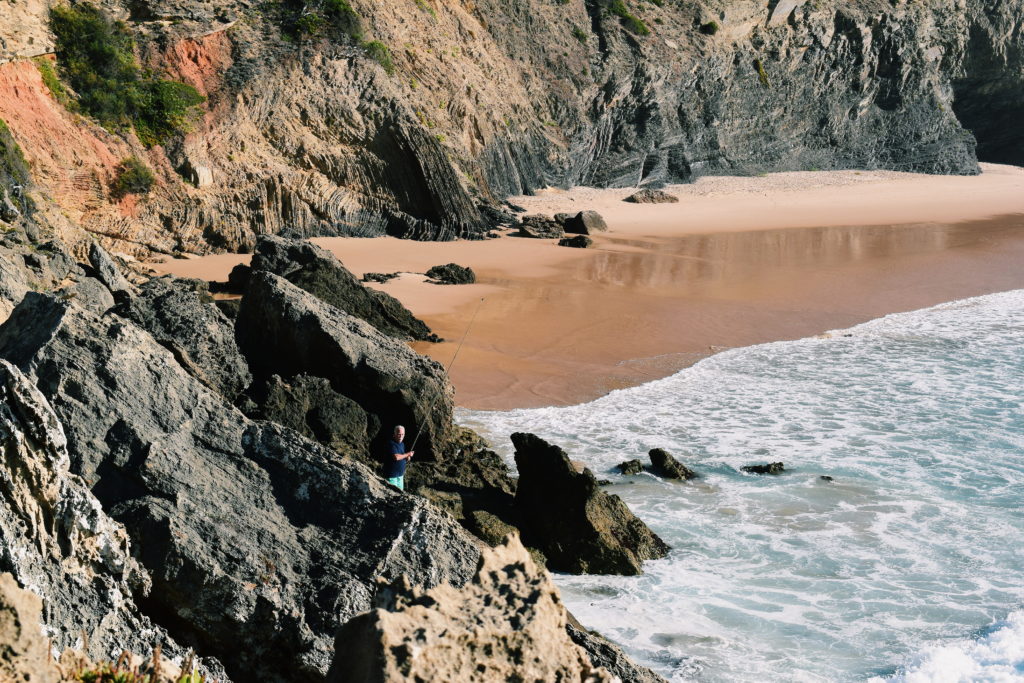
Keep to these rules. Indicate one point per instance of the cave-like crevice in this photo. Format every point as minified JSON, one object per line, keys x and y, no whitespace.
{"x":989,"y":98}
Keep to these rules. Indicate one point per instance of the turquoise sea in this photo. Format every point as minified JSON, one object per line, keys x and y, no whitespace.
{"x":908,"y":566}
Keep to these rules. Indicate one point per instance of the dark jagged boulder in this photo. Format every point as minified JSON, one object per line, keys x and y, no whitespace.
{"x":378,"y":277}
{"x":312,"y":408}
{"x":257,"y":540}
{"x":606,"y":654}
{"x":55,"y":536}
{"x":286,"y":331}
{"x":585,"y":223}
{"x":452,"y":274}
{"x":667,"y":467}
{"x":648,"y":196}
{"x":565,"y":514}
{"x":507,"y":624}
{"x":630,"y":467}
{"x":769,"y":468}
{"x":181,"y":315}
{"x":321,"y":274}
{"x":539,"y":226}
{"x":577,"y":242}
{"x":238,"y":278}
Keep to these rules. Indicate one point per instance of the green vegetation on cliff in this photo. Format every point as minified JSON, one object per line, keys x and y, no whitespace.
{"x":133,"y":177}
{"x":96,"y":56}
{"x":629,"y":20}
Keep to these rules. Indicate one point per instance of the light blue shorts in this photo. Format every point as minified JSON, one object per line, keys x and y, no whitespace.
{"x":397,"y":481}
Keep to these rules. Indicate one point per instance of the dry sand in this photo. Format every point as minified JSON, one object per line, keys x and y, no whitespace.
{"x":737,"y":261}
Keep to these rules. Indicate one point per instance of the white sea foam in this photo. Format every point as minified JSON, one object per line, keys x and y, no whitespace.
{"x":919,"y":419}
{"x":996,"y":657}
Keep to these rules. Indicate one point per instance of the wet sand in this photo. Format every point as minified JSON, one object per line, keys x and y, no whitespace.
{"x":654,"y":295}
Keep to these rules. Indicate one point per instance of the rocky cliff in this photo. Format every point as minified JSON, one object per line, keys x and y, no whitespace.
{"x":416,"y":118}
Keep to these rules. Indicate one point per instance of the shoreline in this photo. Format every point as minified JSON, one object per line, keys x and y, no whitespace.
{"x":668,"y":286}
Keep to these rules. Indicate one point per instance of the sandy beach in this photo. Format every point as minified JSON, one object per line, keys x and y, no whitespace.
{"x":737,"y":261}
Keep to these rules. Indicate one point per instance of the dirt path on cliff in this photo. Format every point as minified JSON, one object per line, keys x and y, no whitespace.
{"x":670,"y":284}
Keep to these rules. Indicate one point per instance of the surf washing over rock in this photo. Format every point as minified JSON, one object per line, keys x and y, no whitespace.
{"x":905,"y":564}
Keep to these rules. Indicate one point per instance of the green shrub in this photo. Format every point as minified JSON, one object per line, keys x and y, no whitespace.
{"x":96,"y":56}
{"x":52,"y":82}
{"x":316,"y":18}
{"x":133,"y":177}
{"x":631,"y":22}
{"x":380,"y":52}
{"x":579,"y":34}
{"x":762,"y":75}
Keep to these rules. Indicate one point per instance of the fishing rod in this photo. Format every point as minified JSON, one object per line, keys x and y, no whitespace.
{"x":444,"y":377}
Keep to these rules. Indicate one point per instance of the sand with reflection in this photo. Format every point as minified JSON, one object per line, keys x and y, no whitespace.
{"x":562,"y":325}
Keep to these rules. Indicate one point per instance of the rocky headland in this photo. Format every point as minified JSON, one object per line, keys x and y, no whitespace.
{"x":174,"y":476}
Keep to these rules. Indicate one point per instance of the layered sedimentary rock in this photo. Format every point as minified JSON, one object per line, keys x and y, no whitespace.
{"x":256,"y":540}
{"x":506,"y":624}
{"x":310,"y":135}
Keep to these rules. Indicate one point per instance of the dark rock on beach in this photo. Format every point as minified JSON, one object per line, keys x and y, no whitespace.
{"x":648,"y":196}
{"x":630,"y":467}
{"x":256,"y":540}
{"x":539,"y":226}
{"x":770,"y":468}
{"x":106,"y":271}
{"x":577,"y":242}
{"x":667,"y":467}
{"x":585,"y":223}
{"x":321,"y":274}
{"x":565,"y":514}
{"x":452,"y":274}
{"x":378,"y":277}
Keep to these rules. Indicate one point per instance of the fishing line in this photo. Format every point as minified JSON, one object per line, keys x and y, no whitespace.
{"x":444,"y":377}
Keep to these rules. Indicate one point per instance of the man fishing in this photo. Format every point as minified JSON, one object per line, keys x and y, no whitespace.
{"x":396,"y":459}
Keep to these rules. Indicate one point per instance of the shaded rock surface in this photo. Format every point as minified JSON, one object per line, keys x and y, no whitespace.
{"x":256,"y":540}
{"x":769,"y":468}
{"x":378,"y":277}
{"x":56,"y":537}
{"x":506,"y":624}
{"x":648,"y":196}
{"x":181,"y":315}
{"x":667,"y":467}
{"x":630,"y":467}
{"x":539,"y":226}
{"x":577,"y":526}
{"x":577,"y":242}
{"x":585,"y":223}
{"x":286,"y":331}
{"x":318,"y":272}
{"x":311,"y":407}
{"x":452,"y":274}
{"x":107,"y":272}
{"x":610,"y":656}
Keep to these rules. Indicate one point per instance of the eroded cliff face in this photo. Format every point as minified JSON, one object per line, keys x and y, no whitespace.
{"x":487,"y":98}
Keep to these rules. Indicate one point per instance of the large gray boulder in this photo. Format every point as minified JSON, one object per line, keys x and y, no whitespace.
{"x":181,"y":315}
{"x":107,"y":272}
{"x":586,"y":223}
{"x":565,"y":514}
{"x":507,"y":624}
{"x":56,"y":538}
{"x":286,"y":331}
{"x":321,"y":274}
{"x":258,"y":542}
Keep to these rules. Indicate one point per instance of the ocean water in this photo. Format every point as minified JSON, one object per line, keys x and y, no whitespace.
{"x":908,"y":566}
